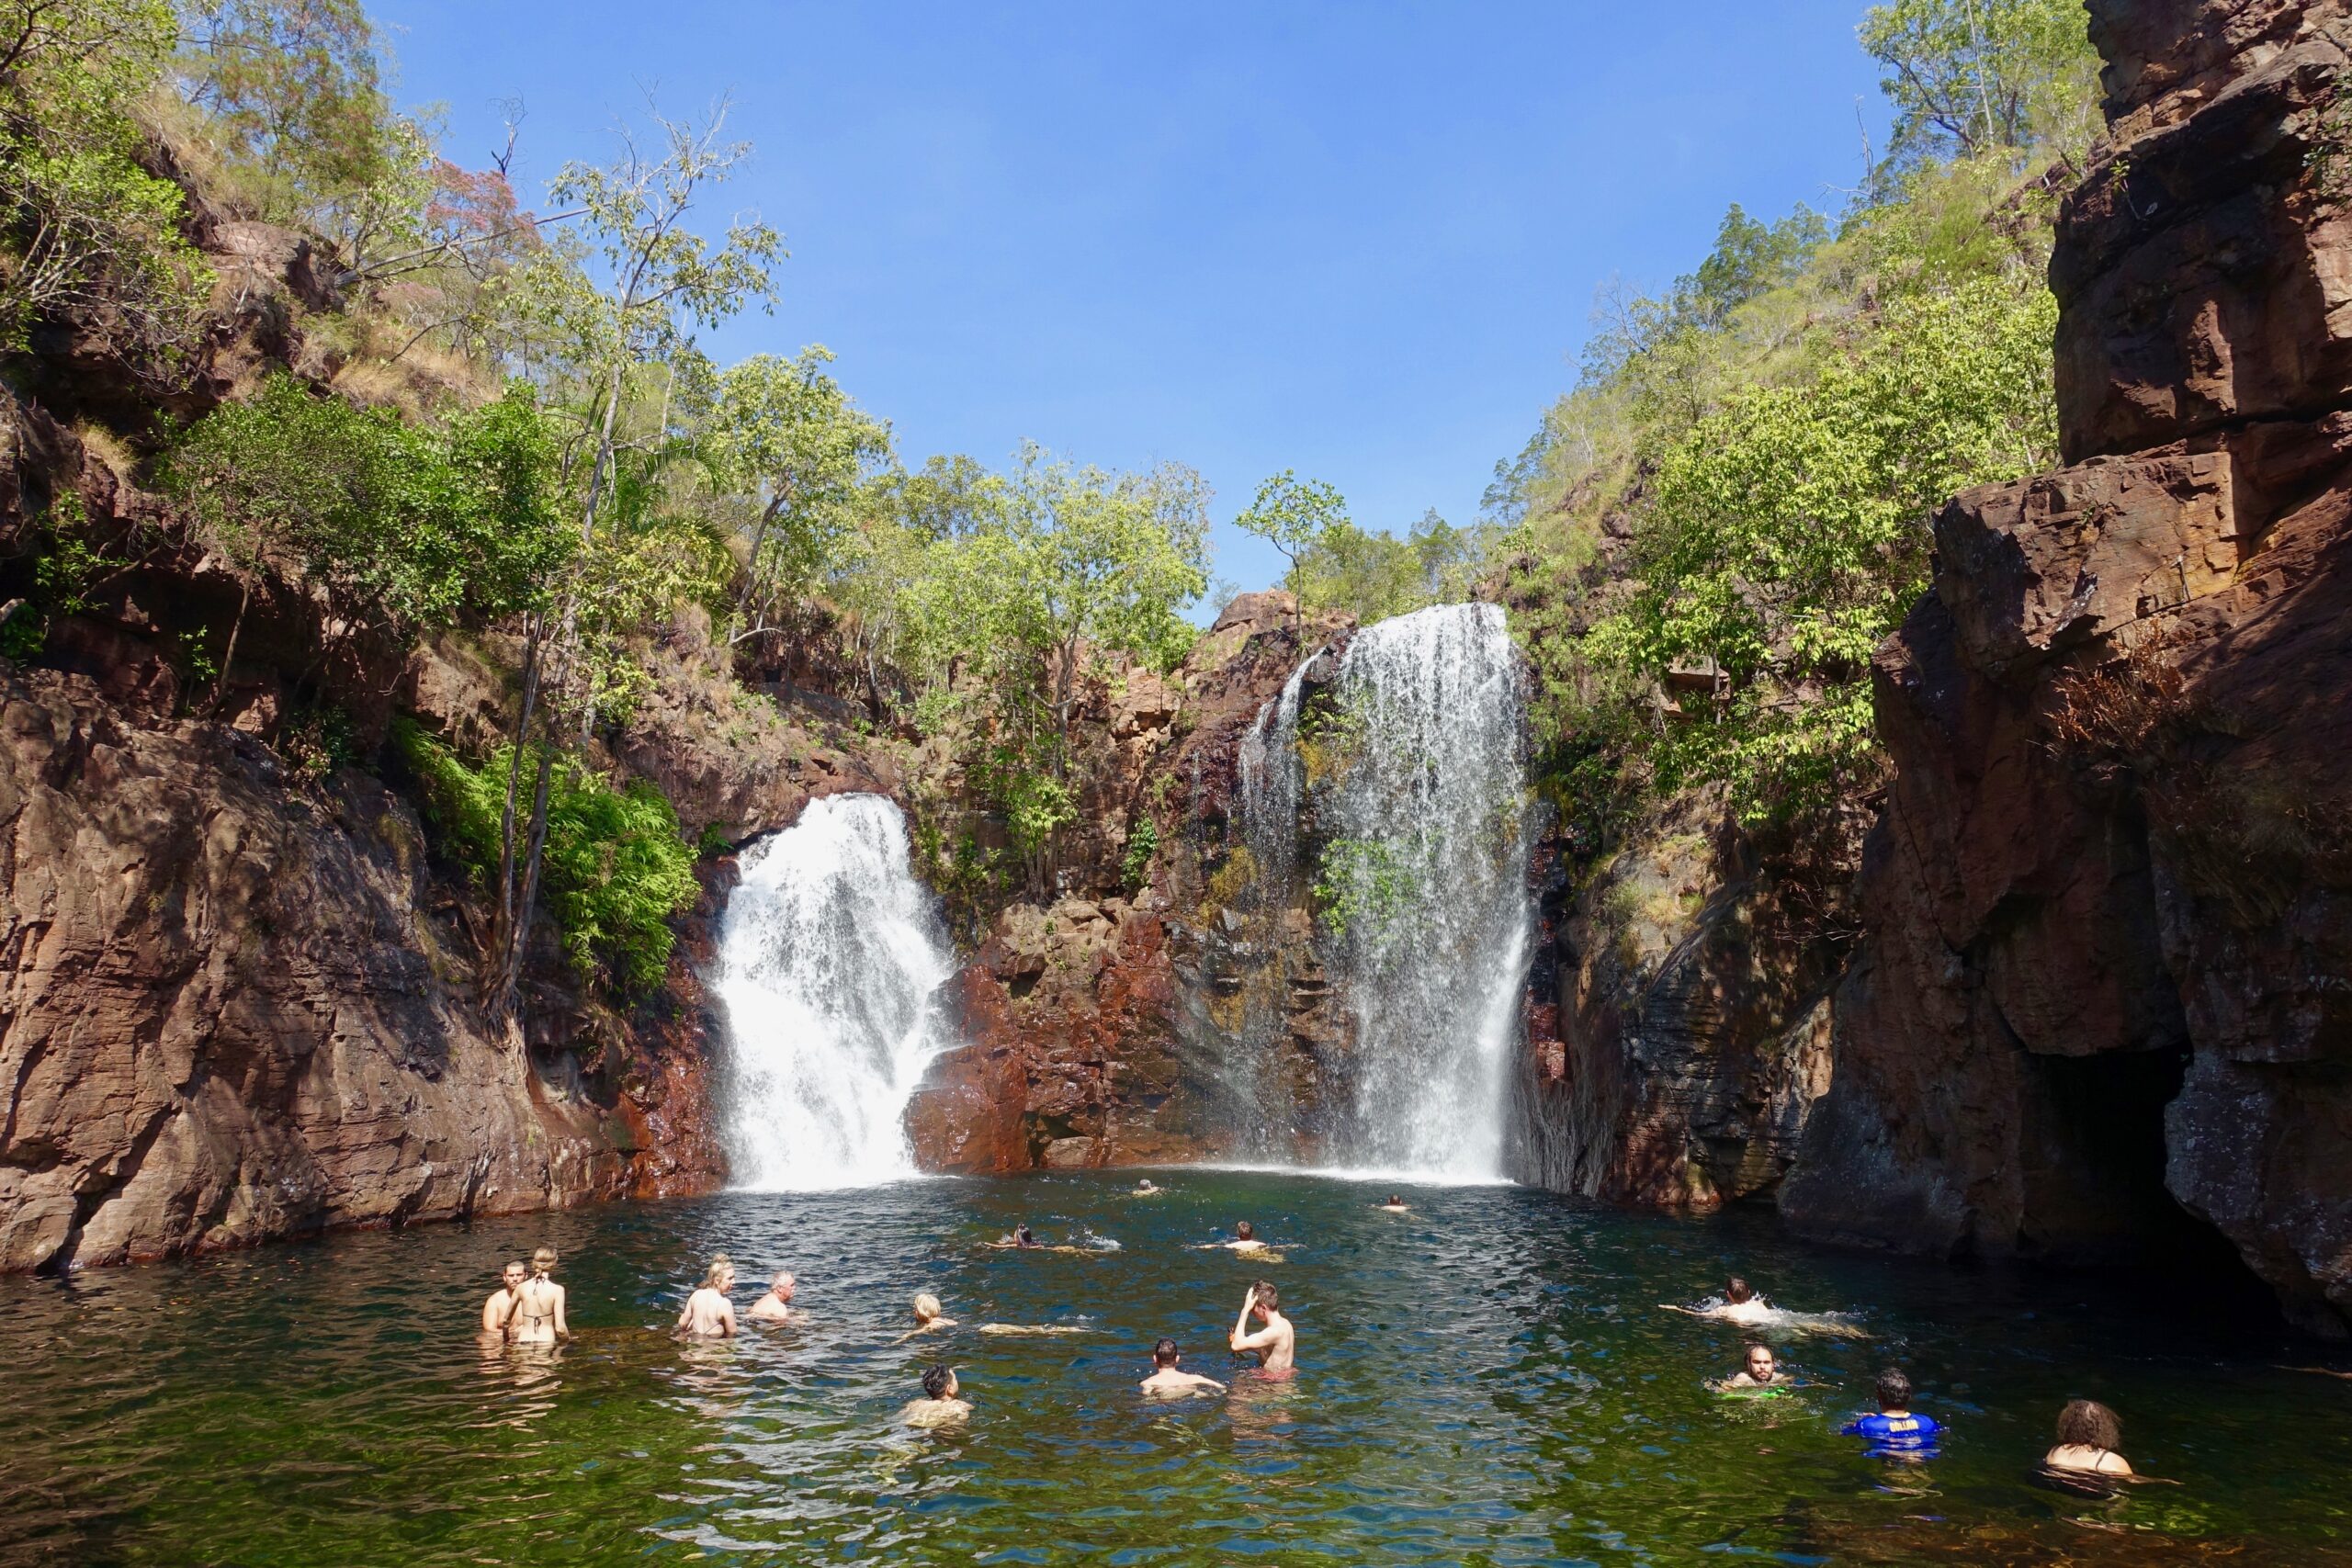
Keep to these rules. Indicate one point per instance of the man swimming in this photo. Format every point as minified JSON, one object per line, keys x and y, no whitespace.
{"x":1894,"y":1432}
{"x":1168,"y":1383}
{"x":1020,"y":1237}
{"x":499,"y":1306}
{"x":1396,"y":1205}
{"x":775,"y":1306}
{"x":709,"y":1312}
{"x":1762,"y":1371}
{"x":939,"y":1404}
{"x":538,"y":1314}
{"x":1277,"y":1343}
{"x":1143,"y":1189}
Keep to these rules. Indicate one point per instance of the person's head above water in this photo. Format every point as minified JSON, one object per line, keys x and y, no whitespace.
{"x":2085,"y":1423}
{"x":1761,"y":1363}
{"x":722,"y":1273}
{"x":1164,"y":1354}
{"x":1894,"y":1390}
{"x":926,"y":1307}
{"x":1395,"y":1201}
{"x":543,"y":1260}
{"x":939,"y":1383}
{"x":1736,"y":1291}
{"x":515,"y":1273}
{"x":1021,"y":1235}
{"x":1245,"y":1231}
{"x":782,"y":1284}
{"x":1265,"y":1298}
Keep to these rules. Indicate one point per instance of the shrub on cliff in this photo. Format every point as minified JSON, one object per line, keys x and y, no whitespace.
{"x":404,"y":529}
{"x":616,"y":866}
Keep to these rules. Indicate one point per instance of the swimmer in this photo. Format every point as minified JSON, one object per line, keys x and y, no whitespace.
{"x":499,"y":1306}
{"x":1762,"y":1371}
{"x":1143,"y":1189}
{"x":1020,"y":1237}
{"x":2088,"y":1435}
{"x":927,"y":1318}
{"x":709,"y":1312}
{"x":538,"y":1314}
{"x":1245,"y":1242}
{"x":1168,"y":1383}
{"x":1739,"y":1303}
{"x":1277,"y":1343}
{"x":939,"y":1406}
{"x":1395,"y":1205}
{"x":775,"y":1306}
{"x":1894,"y":1432}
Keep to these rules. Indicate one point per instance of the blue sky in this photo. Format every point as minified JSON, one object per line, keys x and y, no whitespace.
{"x":1359,"y":240}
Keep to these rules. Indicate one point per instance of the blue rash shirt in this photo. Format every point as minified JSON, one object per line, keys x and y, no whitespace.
{"x":1911,"y":1434}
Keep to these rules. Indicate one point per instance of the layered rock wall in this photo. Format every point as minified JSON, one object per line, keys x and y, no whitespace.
{"x":2104,"y":984}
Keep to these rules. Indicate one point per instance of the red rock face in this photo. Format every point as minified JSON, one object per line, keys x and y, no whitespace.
{"x":1090,"y":1039}
{"x":2109,"y":902}
{"x":230,"y":1014}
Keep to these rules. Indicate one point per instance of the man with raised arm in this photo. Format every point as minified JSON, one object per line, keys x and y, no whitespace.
{"x":1277,"y":1343}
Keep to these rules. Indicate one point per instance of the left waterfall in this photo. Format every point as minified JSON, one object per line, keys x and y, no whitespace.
{"x":830,"y":959}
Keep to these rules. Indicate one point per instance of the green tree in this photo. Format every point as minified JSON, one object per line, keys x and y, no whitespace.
{"x":294,"y":89}
{"x":1292,"y":514}
{"x":1967,"y":77}
{"x":84,"y":226}
{"x":1784,"y":535}
{"x":785,"y":435}
{"x":661,"y":276}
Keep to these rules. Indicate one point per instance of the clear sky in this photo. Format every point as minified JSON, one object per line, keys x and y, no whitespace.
{"x":1356,"y":237}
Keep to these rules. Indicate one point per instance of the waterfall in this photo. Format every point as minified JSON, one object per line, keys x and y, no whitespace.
{"x":829,"y":957}
{"x":1417,"y":800}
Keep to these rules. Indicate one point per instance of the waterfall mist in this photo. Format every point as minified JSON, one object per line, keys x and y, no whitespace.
{"x":1416,"y":801}
{"x":830,"y":956}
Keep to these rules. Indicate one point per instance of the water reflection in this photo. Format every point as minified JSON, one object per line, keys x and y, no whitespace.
{"x":1486,"y":1379}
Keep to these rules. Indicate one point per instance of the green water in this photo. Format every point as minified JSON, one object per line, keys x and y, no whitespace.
{"x":1486,"y":1380}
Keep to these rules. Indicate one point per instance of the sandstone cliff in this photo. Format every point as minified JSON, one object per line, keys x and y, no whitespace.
{"x":2107,"y":899}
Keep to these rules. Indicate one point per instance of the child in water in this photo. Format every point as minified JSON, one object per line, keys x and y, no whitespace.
{"x":1894,"y":1432}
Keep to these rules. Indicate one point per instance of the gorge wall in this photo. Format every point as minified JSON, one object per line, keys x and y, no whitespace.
{"x":238,"y":997}
{"x":2096,"y":1010}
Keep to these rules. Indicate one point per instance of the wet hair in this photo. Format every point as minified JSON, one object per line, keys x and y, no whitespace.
{"x":1395,"y":1201}
{"x":543,"y":1259}
{"x":926,"y":1305}
{"x":1164,"y":1353}
{"x":784,"y":1277}
{"x":1754,"y":1350}
{"x":935,"y":1382}
{"x":1737,"y":1289}
{"x":1245,"y":1230}
{"x":1894,"y":1390}
{"x":523,"y":1264}
{"x":719,"y":1263}
{"x":2090,"y":1424}
{"x":1021,"y":1232}
{"x":1267,"y":1297}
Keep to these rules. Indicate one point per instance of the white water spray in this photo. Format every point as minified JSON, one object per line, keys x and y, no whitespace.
{"x":830,"y":957}
{"x":1422,"y":881}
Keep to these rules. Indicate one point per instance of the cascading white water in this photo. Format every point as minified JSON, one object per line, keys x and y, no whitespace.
{"x":1426,"y":867}
{"x":1421,"y":882}
{"x":830,"y":957}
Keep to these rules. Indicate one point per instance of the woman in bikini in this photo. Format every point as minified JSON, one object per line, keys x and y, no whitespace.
{"x":536,"y":1317}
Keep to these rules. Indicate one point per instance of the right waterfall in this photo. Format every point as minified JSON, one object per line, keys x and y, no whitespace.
{"x":1403,"y":787}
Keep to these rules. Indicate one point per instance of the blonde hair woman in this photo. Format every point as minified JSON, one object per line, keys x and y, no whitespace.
{"x":537,"y":1316}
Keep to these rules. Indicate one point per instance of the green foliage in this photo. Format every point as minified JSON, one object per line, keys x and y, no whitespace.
{"x":405,"y":529}
{"x":1784,"y":535}
{"x":1362,"y":882}
{"x":617,"y":868}
{"x":1295,"y":515}
{"x":1970,"y":76}
{"x":1372,"y":576}
{"x":1143,"y":844}
{"x":84,"y":226}
{"x":295,"y":94}
{"x":1035,"y":804}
